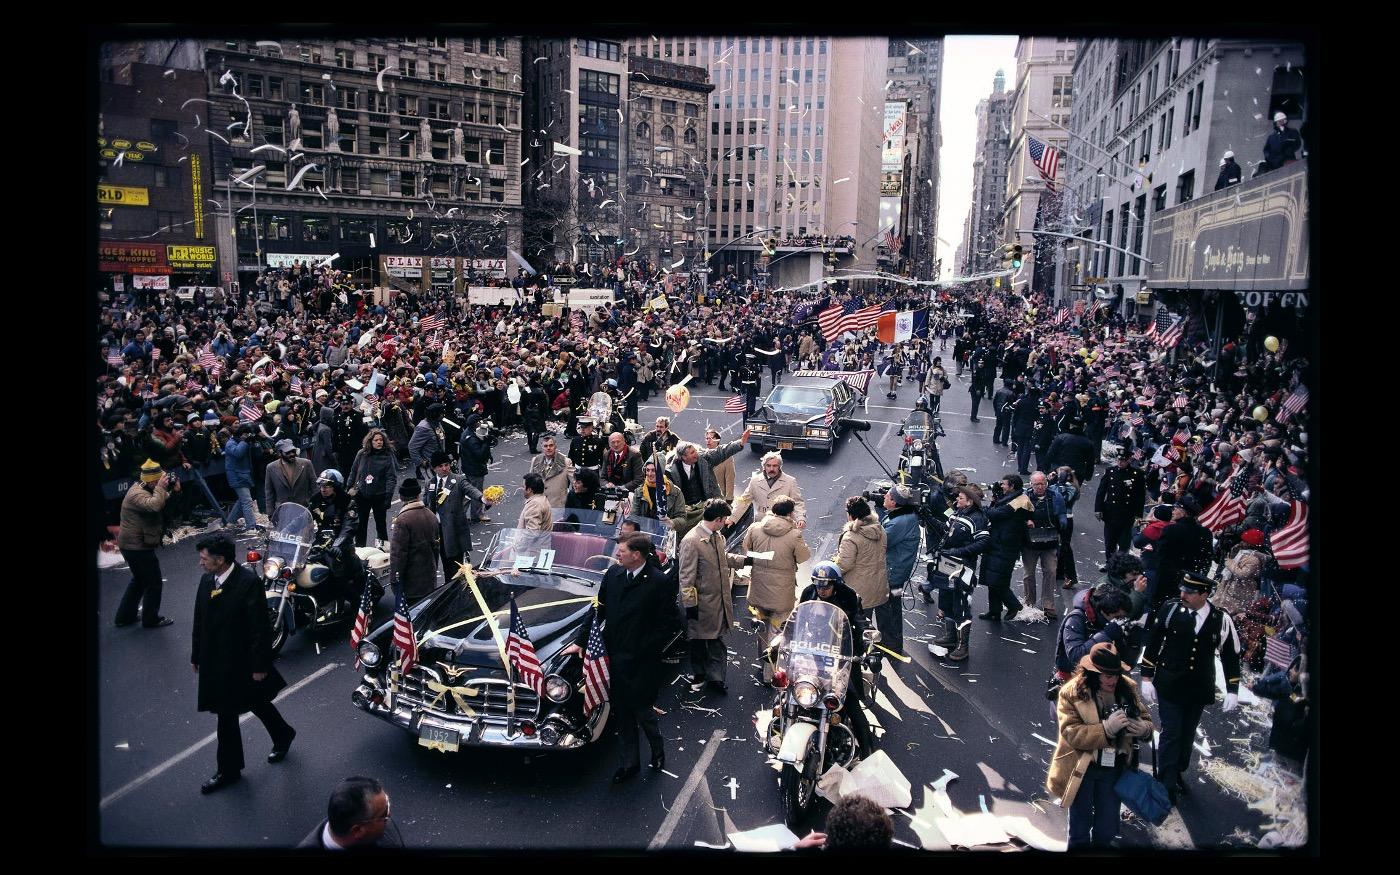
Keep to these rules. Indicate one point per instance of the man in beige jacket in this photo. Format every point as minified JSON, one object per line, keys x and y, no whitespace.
{"x":724,"y":471}
{"x":142,"y":527}
{"x":773,"y":582}
{"x":861,"y":554}
{"x":556,"y":470}
{"x":535,"y":516}
{"x":707,"y":591}
{"x":767,"y":486}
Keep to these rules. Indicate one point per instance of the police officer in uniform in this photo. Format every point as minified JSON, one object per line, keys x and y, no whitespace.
{"x":587,"y":449}
{"x":750,"y":379}
{"x":968,"y":537}
{"x":1183,"y":640}
{"x":1120,"y":500}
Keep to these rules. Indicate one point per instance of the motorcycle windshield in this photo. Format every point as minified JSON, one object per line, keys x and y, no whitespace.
{"x":918,"y":425}
{"x":817,"y":646}
{"x":289,"y":534}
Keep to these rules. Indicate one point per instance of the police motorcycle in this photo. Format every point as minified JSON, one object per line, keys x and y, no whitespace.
{"x":808,"y":729}
{"x":313,"y":579}
{"x":919,"y":459}
{"x":605,"y":411}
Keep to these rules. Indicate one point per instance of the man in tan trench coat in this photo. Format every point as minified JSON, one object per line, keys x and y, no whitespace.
{"x":773,"y":582}
{"x":707,"y":588}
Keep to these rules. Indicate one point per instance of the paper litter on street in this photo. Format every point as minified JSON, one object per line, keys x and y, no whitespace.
{"x":765,"y":839}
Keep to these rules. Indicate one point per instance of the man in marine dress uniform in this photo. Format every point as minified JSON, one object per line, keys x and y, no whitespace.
{"x":1120,"y":499}
{"x":1183,"y":640}
{"x":586,"y":450}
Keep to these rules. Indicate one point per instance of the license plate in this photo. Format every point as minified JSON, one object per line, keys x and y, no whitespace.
{"x":784,"y":445}
{"x":439,"y":738}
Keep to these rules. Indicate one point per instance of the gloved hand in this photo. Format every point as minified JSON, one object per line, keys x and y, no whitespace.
{"x":1231,"y":702}
{"x":1148,"y":692}
{"x":1099,"y":517}
{"x":1115,"y":722}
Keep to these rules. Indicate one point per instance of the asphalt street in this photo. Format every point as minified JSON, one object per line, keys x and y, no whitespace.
{"x":986,"y":720}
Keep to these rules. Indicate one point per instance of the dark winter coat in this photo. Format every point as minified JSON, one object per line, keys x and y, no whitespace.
{"x":238,"y":463}
{"x":1282,"y":146}
{"x":413,"y":550}
{"x":379,"y":466}
{"x":1185,"y":545}
{"x":423,"y":444}
{"x":232,"y":639}
{"x":451,"y":508}
{"x":323,"y":448}
{"x":1230,"y":174}
{"x":1074,"y":450}
{"x":639,"y":621}
{"x":476,"y":455}
{"x":1008,"y":534}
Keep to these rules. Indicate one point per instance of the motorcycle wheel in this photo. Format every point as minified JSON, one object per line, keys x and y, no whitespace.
{"x":799,"y":786}
{"x":279,"y":629}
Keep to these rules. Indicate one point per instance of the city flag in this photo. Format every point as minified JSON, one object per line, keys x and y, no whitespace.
{"x":895,"y":327}
{"x":1228,"y":507}
{"x":521,"y":652}
{"x":1290,"y":543}
{"x":361,"y":627}
{"x":595,"y":667}
{"x":1046,"y":159}
{"x":403,"y":633}
{"x":1294,"y":404}
{"x":734,"y":404}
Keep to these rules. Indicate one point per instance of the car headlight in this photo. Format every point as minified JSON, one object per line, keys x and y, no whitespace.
{"x":272,"y":567}
{"x":759,"y":428}
{"x":816,"y":432}
{"x":369,"y":655}
{"x":556,"y":689}
{"x":806,"y":694}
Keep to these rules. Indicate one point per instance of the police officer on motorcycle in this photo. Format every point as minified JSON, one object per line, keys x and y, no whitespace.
{"x":829,"y":586}
{"x":335,"y":517}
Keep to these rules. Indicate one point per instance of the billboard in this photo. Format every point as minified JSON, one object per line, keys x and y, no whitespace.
{"x":892,"y":154}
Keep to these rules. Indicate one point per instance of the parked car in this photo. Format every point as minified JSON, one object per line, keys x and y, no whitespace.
{"x":186,"y":293}
{"x":460,"y":694}
{"x":802,"y":413}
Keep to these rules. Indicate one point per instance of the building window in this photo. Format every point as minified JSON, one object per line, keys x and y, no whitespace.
{"x":483,"y":46}
{"x":500,"y":47}
{"x":438,"y":42}
{"x":1139,"y":211}
{"x":690,"y":137}
{"x":350,"y":179}
{"x":644,"y":103}
{"x":315,"y":95}
{"x":1186,"y":127}
{"x":1062,"y":93}
{"x":254,"y":84}
{"x":377,"y":101}
{"x":408,"y":105}
{"x":378,"y":141}
{"x":312,"y":135}
{"x":342,"y":58}
{"x":1161,"y":132}
{"x":278,"y":228}
{"x":1196,"y":116}
{"x":162,"y":179}
{"x":410,"y":40}
{"x":498,"y":191}
{"x":437,"y":72}
{"x":471,"y":150}
{"x":274,"y":87}
{"x":500,"y":115}
{"x":643,"y":131}
{"x":408,"y":68}
{"x":668,"y":136}
{"x":347,"y":98}
{"x":823,"y":47}
{"x":379,"y":182}
{"x":440,"y":185}
{"x":668,"y":106}
{"x":1101,"y":255}
{"x":597,"y":82}
{"x":1168,"y":125}
{"x":377,"y":62}
{"x":1122,"y":238}
{"x":408,"y":184}
{"x":1185,"y":186}
{"x":347,"y":136}
{"x":1159,"y":198}
{"x":1146,"y":150}
{"x":315,"y":229}
{"x":498,"y":152}
{"x":437,"y":108}
{"x":272,"y":128}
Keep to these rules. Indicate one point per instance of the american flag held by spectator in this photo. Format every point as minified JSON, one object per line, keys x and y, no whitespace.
{"x":249,"y":411}
{"x":1294,"y":403}
{"x":403,"y":633}
{"x":432,"y":323}
{"x":1278,"y":652}
{"x":207,"y":359}
{"x":1228,"y":507}
{"x":595,"y":667}
{"x":734,"y":404}
{"x":297,"y":387}
{"x":1172,"y":336}
{"x":1290,"y":543}
{"x":521,"y":652}
{"x":114,"y":359}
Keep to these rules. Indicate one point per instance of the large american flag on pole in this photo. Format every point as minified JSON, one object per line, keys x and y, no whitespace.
{"x":1290,"y":543}
{"x":403,"y":633}
{"x":521,"y":652}
{"x":1228,"y":507}
{"x":1046,"y":159}
{"x":837,"y":319}
{"x":1294,"y":403}
{"x":595,"y":667}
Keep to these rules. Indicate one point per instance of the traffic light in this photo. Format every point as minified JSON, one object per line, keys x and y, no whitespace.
{"x":1006,"y":249}
{"x":1016,"y":256}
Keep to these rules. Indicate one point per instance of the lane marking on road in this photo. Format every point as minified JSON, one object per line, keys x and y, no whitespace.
{"x":204,"y":742}
{"x":682,"y":801}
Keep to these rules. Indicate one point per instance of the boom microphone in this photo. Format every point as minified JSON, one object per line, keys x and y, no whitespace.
{"x":855,"y":424}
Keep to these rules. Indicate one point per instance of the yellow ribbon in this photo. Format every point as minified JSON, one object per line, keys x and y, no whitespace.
{"x":899,"y":656}
{"x":464,"y":571}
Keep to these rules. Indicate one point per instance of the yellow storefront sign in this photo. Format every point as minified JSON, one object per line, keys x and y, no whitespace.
{"x":200,"y":257}
{"x":124,"y":196}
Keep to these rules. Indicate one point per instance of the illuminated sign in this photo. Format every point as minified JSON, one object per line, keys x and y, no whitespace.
{"x":146,"y":146}
{"x":197,"y":190}
{"x":121,"y":144}
{"x":123,"y":196}
{"x":146,"y":258}
{"x":199,"y":257}
{"x":109,"y":154}
{"x":133,"y":155}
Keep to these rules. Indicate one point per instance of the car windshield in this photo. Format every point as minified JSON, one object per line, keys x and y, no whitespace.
{"x":582,"y":543}
{"x":799,"y":399}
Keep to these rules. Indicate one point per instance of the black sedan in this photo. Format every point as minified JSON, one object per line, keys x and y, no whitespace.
{"x":802,"y":413}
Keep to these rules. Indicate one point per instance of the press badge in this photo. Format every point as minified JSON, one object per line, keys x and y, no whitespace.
{"x":1108,"y":757}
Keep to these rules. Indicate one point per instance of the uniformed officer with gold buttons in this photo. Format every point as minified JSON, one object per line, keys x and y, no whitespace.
{"x":587,"y":449}
{"x":1120,"y":500}
{"x":1182,"y":643}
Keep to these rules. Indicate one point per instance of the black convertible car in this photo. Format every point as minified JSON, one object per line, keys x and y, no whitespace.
{"x":460,"y":693}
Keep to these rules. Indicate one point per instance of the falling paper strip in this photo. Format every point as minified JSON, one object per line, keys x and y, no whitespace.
{"x":379,"y":80}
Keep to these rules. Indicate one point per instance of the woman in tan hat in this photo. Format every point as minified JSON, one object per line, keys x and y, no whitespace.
{"x":1100,"y":714}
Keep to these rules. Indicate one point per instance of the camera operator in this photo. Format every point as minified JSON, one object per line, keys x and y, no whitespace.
{"x":476,"y":455}
{"x":238,"y":470}
{"x":1008,"y":517}
{"x":968,"y":537}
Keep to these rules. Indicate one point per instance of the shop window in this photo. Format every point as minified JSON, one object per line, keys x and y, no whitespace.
{"x":315,"y":229}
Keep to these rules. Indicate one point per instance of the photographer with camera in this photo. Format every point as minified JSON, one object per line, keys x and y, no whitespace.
{"x":475,"y":450}
{"x":1009,"y":516}
{"x":238,"y":471}
{"x":967,"y":538}
{"x":142,"y":528}
{"x":1100,"y":718}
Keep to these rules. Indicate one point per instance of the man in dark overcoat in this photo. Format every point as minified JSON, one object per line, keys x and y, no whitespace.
{"x":231,"y":651}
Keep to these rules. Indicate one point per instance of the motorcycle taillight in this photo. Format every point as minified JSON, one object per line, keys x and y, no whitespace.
{"x":254,"y":556}
{"x":780,"y":679}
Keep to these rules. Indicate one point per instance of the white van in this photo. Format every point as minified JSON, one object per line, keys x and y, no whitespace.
{"x":186,"y":293}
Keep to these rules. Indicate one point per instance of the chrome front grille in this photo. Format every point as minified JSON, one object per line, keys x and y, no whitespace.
{"x":467,"y":698}
{"x":788,"y":429}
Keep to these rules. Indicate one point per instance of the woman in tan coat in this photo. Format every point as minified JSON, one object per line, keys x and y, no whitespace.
{"x":773,"y":582}
{"x":1100,"y":713}
{"x":861,"y":554}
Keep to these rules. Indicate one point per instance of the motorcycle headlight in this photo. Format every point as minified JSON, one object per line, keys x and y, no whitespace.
{"x":918,"y":446}
{"x":806,"y":694}
{"x":556,"y":689}
{"x":369,"y":655}
{"x":272,"y":567}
